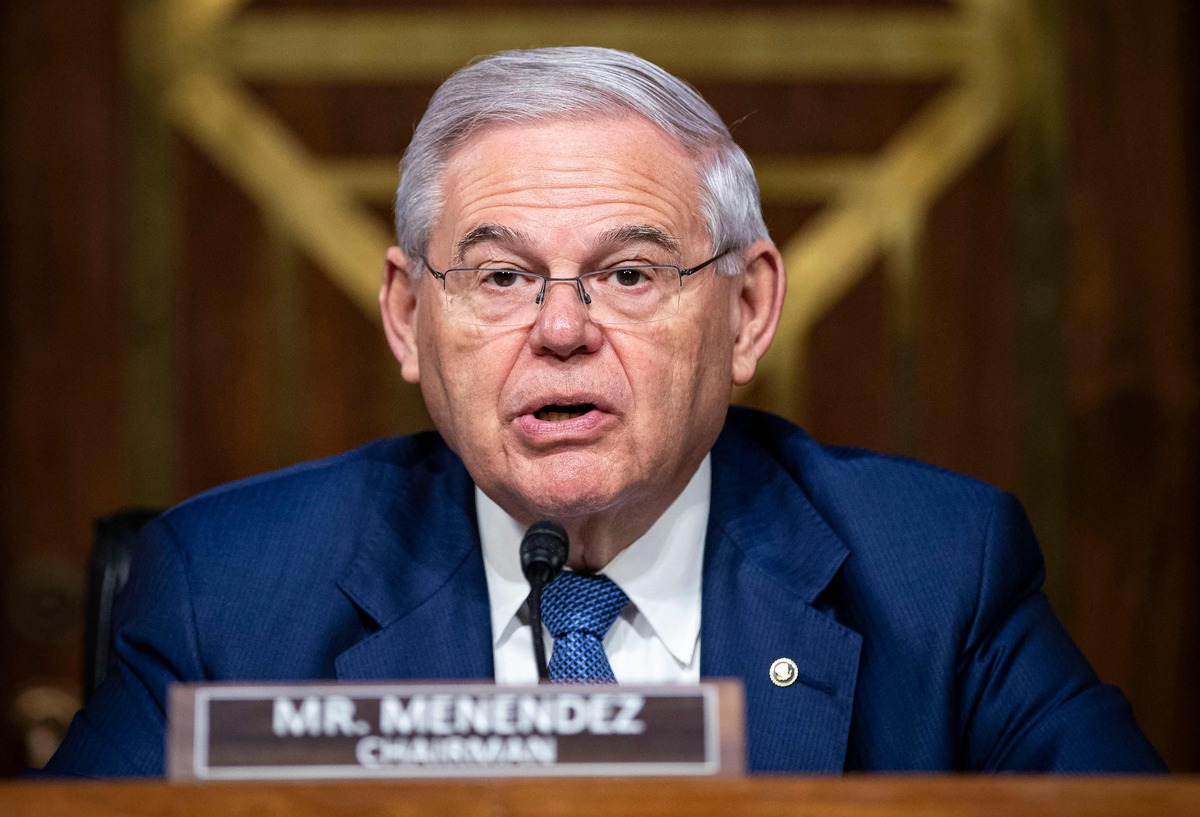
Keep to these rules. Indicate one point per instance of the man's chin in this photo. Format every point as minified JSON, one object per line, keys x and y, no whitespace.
{"x":563,"y":505}
{"x":566,"y":485}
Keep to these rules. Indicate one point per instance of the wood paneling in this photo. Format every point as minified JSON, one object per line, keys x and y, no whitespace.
{"x":62,"y":441}
{"x":968,"y":359}
{"x":851,"y":382}
{"x":1132,"y":369}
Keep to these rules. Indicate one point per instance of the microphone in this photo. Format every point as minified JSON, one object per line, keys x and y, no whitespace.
{"x":543,"y":554}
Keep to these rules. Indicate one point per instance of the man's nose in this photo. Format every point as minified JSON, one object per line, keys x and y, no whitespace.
{"x":563,"y":327}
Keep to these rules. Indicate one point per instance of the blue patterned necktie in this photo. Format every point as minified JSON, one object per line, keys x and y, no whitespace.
{"x":578,"y":610}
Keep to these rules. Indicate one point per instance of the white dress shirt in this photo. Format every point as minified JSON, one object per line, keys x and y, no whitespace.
{"x":656,"y":639}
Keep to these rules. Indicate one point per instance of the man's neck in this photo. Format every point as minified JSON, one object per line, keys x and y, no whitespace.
{"x":598,"y":537}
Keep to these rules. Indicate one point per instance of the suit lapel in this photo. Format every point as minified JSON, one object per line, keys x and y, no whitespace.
{"x":418,"y":576}
{"x":768,"y":557}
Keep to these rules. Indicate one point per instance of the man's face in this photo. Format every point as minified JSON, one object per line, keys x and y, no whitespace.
{"x":567,"y":418}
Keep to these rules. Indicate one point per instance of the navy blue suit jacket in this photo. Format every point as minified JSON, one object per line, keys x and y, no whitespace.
{"x":908,"y":597}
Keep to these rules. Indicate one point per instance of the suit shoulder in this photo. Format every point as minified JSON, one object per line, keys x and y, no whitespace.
{"x":839,"y":476}
{"x":330,"y":494}
{"x":921,"y":541}
{"x":901,"y":520}
{"x":414,"y":450}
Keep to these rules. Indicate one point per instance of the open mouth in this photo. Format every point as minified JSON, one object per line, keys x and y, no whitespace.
{"x":556,"y":414}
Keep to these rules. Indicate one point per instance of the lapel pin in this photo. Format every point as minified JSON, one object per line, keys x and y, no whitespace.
{"x":783,"y":672}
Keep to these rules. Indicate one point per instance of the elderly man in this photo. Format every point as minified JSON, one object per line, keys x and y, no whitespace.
{"x":581,"y":274}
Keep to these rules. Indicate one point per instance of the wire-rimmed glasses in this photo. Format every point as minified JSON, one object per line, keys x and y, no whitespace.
{"x":627,"y":294}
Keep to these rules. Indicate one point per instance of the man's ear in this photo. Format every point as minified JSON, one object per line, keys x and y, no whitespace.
{"x":398,"y":307}
{"x":759,"y":303}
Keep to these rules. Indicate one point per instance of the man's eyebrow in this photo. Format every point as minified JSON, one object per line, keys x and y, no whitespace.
{"x":482,"y":233}
{"x":641,"y":234}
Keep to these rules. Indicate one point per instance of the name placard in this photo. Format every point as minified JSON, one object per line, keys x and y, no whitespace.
{"x":371,"y":730}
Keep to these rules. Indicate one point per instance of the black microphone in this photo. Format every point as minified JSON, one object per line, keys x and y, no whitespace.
{"x":543,"y":554}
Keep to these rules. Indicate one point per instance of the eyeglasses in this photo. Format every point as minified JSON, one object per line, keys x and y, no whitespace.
{"x":619,"y":295}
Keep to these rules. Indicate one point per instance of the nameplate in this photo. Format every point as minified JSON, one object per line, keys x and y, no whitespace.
{"x":370,"y":730}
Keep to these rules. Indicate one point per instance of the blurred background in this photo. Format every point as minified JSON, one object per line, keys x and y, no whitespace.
{"x":986,"y":207}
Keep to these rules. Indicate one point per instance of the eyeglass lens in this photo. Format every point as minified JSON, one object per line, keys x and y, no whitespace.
{"x":639,"y":294}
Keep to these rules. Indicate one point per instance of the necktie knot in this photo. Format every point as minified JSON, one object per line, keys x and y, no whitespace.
{"x":578,"y":610}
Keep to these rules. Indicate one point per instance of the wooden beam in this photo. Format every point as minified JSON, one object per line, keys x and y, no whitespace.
{"x":271,"y":164}
{"x":756,"y":46}
{"x":829,"y":256}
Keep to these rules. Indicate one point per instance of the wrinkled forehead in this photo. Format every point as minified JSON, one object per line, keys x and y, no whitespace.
{"x":599,"y":168}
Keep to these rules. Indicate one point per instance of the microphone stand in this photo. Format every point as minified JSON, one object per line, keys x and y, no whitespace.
{"x":543,"y":554}
{"x":535,"y":621}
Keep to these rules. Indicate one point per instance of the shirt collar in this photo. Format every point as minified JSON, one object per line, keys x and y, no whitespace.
{"x":500,"y":536}
{"x":660,"y":572}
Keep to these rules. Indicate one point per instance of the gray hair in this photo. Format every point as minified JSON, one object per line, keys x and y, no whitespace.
{"x":577,"y":82}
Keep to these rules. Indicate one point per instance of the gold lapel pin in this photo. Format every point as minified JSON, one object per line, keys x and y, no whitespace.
{"x":783,"y":672}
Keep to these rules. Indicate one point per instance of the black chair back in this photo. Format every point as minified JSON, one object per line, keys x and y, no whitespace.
{"x":113,"y":548}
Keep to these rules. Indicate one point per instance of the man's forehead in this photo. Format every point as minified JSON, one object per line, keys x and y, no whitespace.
{"x":616,"y":237}
{"x":625,"y":178}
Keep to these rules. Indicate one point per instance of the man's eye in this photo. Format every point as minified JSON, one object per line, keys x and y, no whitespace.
{"x":628,"y":277}
{"x":502,"y":278}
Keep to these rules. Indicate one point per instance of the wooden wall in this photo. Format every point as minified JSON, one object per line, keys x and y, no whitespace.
{"x":1053,"y":350}
{"x":1131,"y":342}
{"x":62,"y":420}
